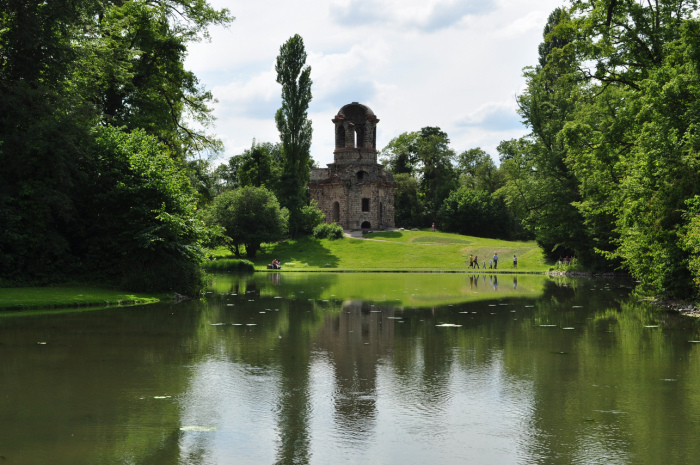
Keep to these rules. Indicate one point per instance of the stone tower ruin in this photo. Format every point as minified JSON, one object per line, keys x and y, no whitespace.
{"x":355,"y":191}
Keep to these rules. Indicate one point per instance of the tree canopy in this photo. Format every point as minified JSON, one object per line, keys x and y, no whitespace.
{"x":250,"y":216}
{"x":70,"y":75}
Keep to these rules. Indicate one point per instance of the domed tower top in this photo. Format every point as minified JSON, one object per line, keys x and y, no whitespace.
{"x":355,"y":128}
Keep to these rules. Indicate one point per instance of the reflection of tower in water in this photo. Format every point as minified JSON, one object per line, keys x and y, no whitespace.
{"x":355,"y":340}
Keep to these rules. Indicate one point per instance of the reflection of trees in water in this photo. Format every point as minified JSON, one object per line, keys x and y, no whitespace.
{"x":550,"y":369}
{"x":294,"y":409}
{"x":307,"y":285}
{"x":356,"y":340}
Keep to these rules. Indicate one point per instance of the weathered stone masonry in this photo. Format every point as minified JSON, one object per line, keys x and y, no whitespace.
{"x":355,"y":191}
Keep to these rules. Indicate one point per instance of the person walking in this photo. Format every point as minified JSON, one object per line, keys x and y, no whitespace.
{"x":495,"y":260}
{"x":476,"y":262}
{"x":471,"y":261}
{"x":515,"y":262}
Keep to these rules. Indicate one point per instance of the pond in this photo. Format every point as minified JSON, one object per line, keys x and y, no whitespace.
{"x":354,"y":368}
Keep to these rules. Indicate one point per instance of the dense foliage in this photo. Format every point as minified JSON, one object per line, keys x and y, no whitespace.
{"x":66,"y":70}
{"x":474,"y":213}
{"x":139,"y":223}
{"x":610,"y":171}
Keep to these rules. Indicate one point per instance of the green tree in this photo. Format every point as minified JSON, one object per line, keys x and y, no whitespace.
{"x":250,"y":216}
{"x":203,"y":178}
{"x":260,"y":166}
{"x":541,"y":188}
{"x":438,"y":176}
{"x":427,"y":157}
{"x":478,"y":171}
{"x":612,"y":154}
{"x":139,"y":215}
{"x":310,"y":217}
{"x":408,"y":210}
{"x":690,"y":239}
{"x":65,"y":70}
{"x":401,"y":154}
{"x":294,"y":127}
{"x":130,"y":66}
{"x":475,"y":213}
{"x":660,"y":173}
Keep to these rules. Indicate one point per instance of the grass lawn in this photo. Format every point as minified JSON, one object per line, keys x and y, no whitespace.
{"x":69,"y":296}
{"x":397,"y":251}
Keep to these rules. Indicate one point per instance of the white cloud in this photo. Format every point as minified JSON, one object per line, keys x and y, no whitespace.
{"x":533,"y":22}
{"x":427,"y":16}
{"x":257,"y":98}
{"x":493,"y":116}
{"x":456,"y":64}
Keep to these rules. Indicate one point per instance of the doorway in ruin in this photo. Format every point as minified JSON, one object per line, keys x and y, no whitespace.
{"x":335,"y":213}
{"x":366,"y":225}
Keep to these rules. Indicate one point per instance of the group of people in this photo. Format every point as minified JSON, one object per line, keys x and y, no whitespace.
{"x":276,"y":265}
{"x":493,"y":263}
{"x":565,"y":261}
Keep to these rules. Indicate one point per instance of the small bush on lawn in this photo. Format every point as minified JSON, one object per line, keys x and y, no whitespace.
{"x":228,"y":264}
{"x":328,"y":231}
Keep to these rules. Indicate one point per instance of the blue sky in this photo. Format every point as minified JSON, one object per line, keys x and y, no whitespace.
{"x":453,"y":64}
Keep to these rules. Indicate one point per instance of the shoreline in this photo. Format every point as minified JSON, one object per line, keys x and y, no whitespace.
{"x":686,"y":308}
{"x":682,"y":307}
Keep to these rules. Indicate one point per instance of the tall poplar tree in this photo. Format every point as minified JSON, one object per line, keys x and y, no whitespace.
{"x":294,"y":127}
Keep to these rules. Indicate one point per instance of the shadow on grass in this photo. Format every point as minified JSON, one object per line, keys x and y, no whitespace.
{"x":388,"y":234}
{"x":305,"y":251}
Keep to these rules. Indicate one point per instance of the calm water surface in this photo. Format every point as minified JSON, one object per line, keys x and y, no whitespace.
{"x":359,"y":369}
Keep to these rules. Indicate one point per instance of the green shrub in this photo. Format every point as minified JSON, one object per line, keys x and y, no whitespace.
{"x":310,"y":217}
{"x":229,"y":264}
{"x":328,"y":231}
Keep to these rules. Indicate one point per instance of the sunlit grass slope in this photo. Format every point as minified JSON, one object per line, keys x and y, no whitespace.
{"x":398,"y":251}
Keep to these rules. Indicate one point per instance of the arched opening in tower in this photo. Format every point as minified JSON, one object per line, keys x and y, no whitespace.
{"x":340,"y":137}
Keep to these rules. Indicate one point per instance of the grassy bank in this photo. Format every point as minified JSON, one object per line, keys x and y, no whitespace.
{"x":397,"y":251}
{"x":70,"y":296}
{"x":417,"y":251}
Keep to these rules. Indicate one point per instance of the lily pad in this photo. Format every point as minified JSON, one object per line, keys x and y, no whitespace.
{"x":198,"y":428}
